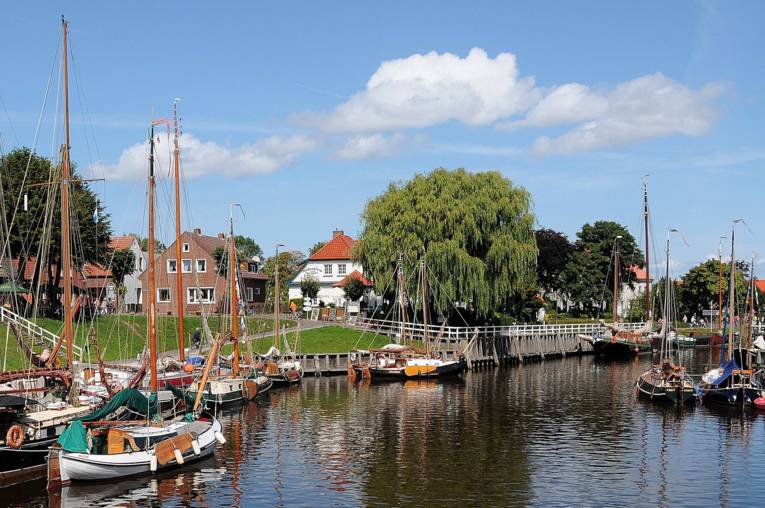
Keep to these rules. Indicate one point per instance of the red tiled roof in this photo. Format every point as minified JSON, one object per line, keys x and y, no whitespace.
{"x":353,"y":275}
{"x":639,"y":273}
{"x":208,"y":243}
{"x":760,"y":283}
{"x":337,"y":248}
{"x":121,"y":242}
{"x":93,"y":275}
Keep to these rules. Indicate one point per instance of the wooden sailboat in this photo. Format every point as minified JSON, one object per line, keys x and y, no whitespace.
{"x":30,"y":427}
{"x":620,"y":342}
{"x":666,"y":381}
{"x":141,"y":446}
{"x":402,"y":361}
{"x":283,"y":370}
{"x":733,"y":382}
{"x":240,"y":384}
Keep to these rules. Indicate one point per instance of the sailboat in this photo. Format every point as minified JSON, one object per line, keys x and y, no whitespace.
{"x":29,"y":427}
{"x":733,"y":382}
{"x":666,"y":381}
{"x":282,"y":370}
{"x":402,"y":361}
{"x":140,"y":446}
{"x":240,"y":384}
{"x":620,"y":342}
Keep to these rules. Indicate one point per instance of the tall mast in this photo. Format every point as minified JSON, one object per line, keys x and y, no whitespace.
{"x":401,"y":298}
{"x":616,"y":278}
{"x":720,"y":289}
{"x":752,"y":294}
{"x":647,"y":313}
{"x":152,"y":311}
{"x":666,"y":311}
{"x":425,"y":309}
{"x":276,"y":298}
{"x":732,"y":292}
{"x":234,"y":301}
{"x":66,"y":254}
{"x":178,"y":253}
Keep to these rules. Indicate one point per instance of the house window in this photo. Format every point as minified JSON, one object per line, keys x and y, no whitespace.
{"x":172,"y":265}
{"x":186,"y":265}
{"x":201,"y":265}
{"x":185,"y":247}
{"x":327,"y":269}
{"x":250,"y":294}
{"x":140,"y":263}
{"x":200,"y":295}
{"x":257,"y":291}
{"x":341,"y":269}
{"x":163,"y":295}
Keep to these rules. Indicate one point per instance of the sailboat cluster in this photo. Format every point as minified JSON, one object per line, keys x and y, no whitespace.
{"x":91,"y":423}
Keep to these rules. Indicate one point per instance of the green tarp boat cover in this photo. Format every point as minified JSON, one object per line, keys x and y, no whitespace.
{"x":74,"y":438}
{"x":129,"y":398}
{"x":185,"y":396}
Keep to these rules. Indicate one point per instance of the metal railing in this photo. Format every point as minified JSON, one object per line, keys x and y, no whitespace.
{"x":33,"y":329}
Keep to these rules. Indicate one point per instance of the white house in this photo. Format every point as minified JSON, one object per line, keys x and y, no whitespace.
{"x":332,"y":266}
{"x":628,"y":294}
{"x":132,"y":299}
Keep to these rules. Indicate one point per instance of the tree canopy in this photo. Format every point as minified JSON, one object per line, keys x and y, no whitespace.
{"x":589,"y":272}
{"x":476,"y":231}
{"x":310,"y":286}
{"x":315,"y":247}
{"x":122,"y":264}
{"x":701,"y":285}
{"x":353,"y":289}
{"x":289,"y":264}
{"x":247,"y":247}
{"x":554,"y":253}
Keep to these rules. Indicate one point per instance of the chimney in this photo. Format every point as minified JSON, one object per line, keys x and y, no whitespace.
{"x":222,"y":236}
{"x":337,"y":232}
{"x":197,"y":231}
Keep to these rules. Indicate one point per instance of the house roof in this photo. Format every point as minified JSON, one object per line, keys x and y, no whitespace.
{"x":93,"y":275}
{"x":760,"y":283}
{"x":208,"y":243}
{"x":639,"y":273}
{"x":353,"y":275}
{"x":121,"y":242}
{"x":337,"y":248}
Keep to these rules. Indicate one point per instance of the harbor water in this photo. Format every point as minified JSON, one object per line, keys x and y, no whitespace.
{"x":561,"y":432}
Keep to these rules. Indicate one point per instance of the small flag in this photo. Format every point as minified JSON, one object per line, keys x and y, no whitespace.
{"x":95,"y":215}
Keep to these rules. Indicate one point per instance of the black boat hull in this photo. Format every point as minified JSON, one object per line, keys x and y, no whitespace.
{"x":25,"y":463}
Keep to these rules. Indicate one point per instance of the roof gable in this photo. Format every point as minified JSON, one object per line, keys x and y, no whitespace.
{"x":338,"y":248}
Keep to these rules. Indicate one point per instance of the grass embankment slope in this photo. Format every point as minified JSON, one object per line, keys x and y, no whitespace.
{"x":328,"y":339}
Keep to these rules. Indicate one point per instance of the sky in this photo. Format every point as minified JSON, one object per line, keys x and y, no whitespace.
{"x":302,"y":112}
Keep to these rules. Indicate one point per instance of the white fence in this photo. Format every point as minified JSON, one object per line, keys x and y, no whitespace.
{"x":32,"y":329}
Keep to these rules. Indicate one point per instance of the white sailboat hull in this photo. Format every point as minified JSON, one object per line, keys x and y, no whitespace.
{"x":87,"y":467}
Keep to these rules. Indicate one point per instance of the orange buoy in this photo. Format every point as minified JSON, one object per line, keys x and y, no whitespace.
{"x":188,"y":368}
{"x":15,"y":436}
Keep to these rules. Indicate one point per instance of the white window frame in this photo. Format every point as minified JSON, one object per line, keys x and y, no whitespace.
{"x":159,"y":297}
{"x":185,"y":247}
{"x":328,"y":270}
{"x":203,"y":260}
{"x":341,"y":268}
{"x":183,"y":268}
{"x":168,"y":265}
{"x":257,"y":291}
{"x":250,"y":294}
{"x":194,"y":295}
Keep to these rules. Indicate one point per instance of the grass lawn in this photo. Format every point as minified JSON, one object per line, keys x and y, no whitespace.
{"x":123,"y":337}
{"x":328,"y":339}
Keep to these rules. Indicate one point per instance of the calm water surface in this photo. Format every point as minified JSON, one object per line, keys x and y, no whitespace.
{"x":563,"y":432}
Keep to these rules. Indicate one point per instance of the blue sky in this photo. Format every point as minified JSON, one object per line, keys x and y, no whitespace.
{"x":304,"y":111}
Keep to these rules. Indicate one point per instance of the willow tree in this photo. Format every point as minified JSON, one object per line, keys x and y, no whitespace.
{"x":475,"y":230}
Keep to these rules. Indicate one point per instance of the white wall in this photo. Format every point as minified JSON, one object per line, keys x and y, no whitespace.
{"x":327,"y":293}
{"x":133,"y":282}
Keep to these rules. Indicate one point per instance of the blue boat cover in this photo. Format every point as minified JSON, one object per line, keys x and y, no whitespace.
{"x":728,"y":369}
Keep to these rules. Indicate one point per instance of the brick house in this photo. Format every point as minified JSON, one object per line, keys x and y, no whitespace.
{"x":201,"y":282}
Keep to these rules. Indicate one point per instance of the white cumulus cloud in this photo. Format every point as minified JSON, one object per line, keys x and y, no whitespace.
{"x":647,"y":107}
{"x":373,"y":146}
{"x":425,"y":90}
{"x":207,"y":157}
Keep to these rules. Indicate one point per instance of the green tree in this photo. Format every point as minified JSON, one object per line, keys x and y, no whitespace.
{"x":36,"y":230}
{"x":476,"y":231}
{"x":701,"y":285}
{"x":589,"y":272}
{"x":315,"y":247}
{"x":354,"y":289}
{"x":247,"y":247}
{"x":289,"y":264}
{"x":122,"y":264}
{"x":310,"y":286}
{"x":554,"y":252}
{"x":220,"y":255}
{"x":159,"y":247}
